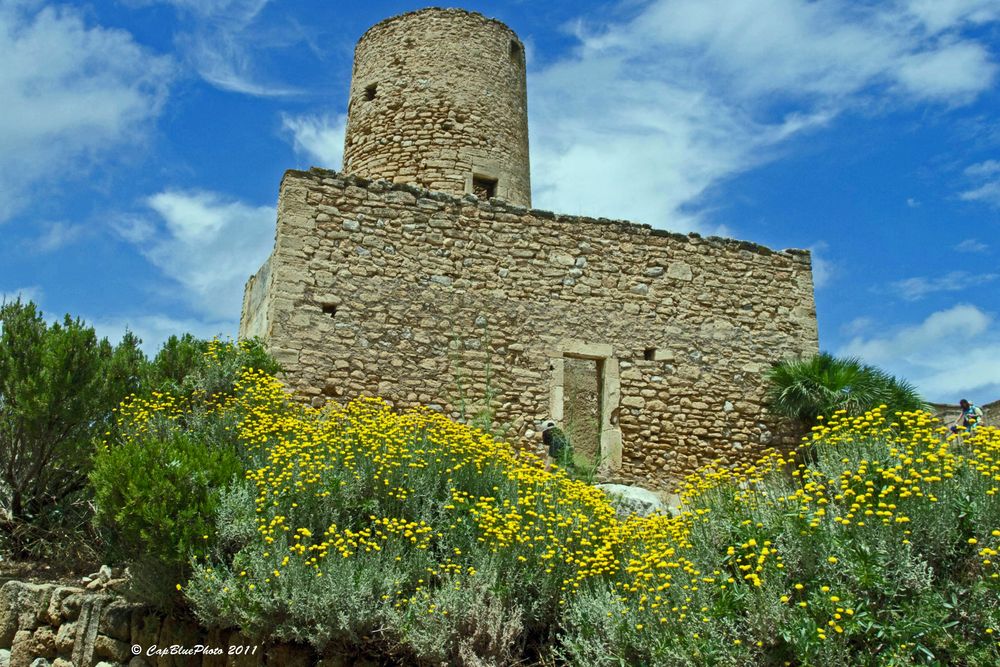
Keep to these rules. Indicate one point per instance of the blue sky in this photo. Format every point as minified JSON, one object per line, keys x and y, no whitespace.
{"x":142,"y":143}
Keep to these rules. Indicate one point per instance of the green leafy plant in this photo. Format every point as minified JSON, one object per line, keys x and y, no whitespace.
{"x":158,"y":480}
{"x":156,"y":503}
{"x":803,"y":389}
{"x":58,"y":386}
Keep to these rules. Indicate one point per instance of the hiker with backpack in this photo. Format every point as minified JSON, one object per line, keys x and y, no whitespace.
{"x":971,"y":417}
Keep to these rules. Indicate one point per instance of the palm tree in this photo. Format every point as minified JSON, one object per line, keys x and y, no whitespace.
{"x":803,"y":389}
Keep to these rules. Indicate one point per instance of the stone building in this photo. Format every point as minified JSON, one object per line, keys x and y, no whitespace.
{"x":422,"y":275}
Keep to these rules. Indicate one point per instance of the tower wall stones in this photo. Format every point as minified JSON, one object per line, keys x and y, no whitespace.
{"x":438,"y":99}
{"x":421,"y":297}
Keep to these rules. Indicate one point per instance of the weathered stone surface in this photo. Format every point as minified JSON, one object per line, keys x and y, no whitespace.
{"x":181,"y":633}
{"x":287,"y":654}
{"x":252,"y":656}
{"x":679,"y":271}
{"x":463,"y":126}
{"x":112,"y":649}
{"x":64,"y":603}
{"x":22,"y":607}
{"x":115,"y":620}
{"x":433,"y":288}
{"x":629,"y":500}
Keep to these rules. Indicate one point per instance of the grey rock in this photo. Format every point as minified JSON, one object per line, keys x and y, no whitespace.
{"x":22,"y":607}
{"x":633,"y":500}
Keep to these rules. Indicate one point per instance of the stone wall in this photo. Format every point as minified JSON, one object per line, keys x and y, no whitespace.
{"x":426,"y":298}
{"x":255,"y":302}
{"x":64,"y":626}
{"x":438,"y":99}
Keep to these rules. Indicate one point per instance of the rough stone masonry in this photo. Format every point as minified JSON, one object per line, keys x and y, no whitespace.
{"x":435,"y":284}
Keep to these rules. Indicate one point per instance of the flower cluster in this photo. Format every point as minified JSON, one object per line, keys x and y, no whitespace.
{"x":806,"y":556}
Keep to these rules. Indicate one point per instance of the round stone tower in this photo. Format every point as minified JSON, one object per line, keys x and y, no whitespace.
{"x":439,"y":100}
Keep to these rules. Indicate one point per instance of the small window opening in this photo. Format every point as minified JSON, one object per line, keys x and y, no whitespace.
{"x":515,"y":52}
{"x":330,"y":310}
{"x":649,"y":354}
{"x":370,"y":92}
{"x":484,"y":188}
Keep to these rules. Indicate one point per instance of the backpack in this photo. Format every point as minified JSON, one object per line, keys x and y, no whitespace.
{"x":972,"y":416}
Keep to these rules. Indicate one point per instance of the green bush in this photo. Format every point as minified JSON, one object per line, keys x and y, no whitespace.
{"x":157,"y":498}
{"x":186,"y":365}
{"x":803,"y":389}
{"x":58,"y":386}
{"x":878,"y":550}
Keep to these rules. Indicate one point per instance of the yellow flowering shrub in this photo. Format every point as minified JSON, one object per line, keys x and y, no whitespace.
{"x":408,"y":535}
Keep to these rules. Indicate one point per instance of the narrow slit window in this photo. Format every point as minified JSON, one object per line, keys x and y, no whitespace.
{"x":484,"y":188}
{"x":649,"y":354}
{"x":516,"y":52}
{"x":330,"y":310}
{"x":370,"y":92}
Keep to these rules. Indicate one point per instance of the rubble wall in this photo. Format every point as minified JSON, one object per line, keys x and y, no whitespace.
{"x":424,"y":298}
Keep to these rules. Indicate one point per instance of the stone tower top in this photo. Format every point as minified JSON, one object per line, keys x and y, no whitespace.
{"x":438,"y":99}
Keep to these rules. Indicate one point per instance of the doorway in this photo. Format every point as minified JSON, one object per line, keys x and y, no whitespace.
{"x":582,"y":409}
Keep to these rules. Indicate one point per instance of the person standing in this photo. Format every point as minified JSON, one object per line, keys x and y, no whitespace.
{"x":970,"y":418}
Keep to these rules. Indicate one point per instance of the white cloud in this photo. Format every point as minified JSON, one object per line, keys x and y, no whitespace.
{"x":988,"y":193}
{"x":952,"y":353}
{"x":939,"y":15}
{"x":914,"y":289}
{"x":645,"y":116}
{"x":954,"y":73}
{"x":983,"y":169}
{"x":912,"y":203}
{"x":56,"y":235}
{"x":857,"y":326}
{"x":822,"y":268}
{"x":134,"y":228}
{"x":221,"y":41}
{"x":986,"y":177}
{"x":971,"y":245}
{"x":72,"y":94}
{"x":209,"y":245}
{"x":320,"y":138}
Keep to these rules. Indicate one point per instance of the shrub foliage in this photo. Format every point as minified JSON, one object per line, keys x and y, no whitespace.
{"x":802,"y":389}
{"x":410,"y":537}
{"x":159,"y":476}
{"x":58,"y":385}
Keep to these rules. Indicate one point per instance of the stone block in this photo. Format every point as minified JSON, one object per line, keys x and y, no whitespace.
{"x":64,"y":604}
{"x":22,"y":607}
{"x":112,"y":649}
{"x":144,"y":628}
{"x":116,"y":619}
